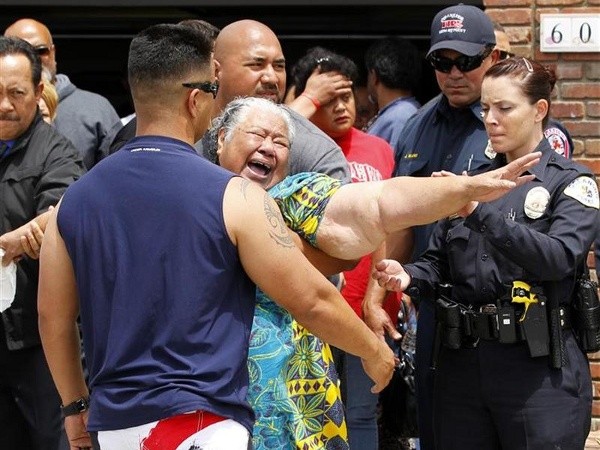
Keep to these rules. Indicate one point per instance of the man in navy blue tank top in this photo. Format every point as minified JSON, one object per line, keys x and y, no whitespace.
{"x":158,"y":251}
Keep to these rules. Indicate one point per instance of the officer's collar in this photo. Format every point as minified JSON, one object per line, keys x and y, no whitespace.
{"x":539,"y":169}
{"x":547,"y":154}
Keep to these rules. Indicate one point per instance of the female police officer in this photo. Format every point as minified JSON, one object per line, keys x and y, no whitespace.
{"x":510,"y":374}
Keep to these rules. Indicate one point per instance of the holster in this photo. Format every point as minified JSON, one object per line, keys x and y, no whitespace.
{"x":535,"y":328}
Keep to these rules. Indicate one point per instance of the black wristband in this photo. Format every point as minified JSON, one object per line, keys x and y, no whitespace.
{"x":77,"y":407}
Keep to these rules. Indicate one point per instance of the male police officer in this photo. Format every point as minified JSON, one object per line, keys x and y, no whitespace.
{"x":446,"y":134}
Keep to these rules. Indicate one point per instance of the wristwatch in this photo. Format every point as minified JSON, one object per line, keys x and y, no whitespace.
{"x":77,"y":407}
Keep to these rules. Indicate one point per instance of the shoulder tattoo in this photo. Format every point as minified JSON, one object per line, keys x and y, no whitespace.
{"x":244,"y":188}
{"x":277,"y":230}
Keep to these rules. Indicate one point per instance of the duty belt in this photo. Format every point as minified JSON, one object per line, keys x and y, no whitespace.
{"x":462,"y":326}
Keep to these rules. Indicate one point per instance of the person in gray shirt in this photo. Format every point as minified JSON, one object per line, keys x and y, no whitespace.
{"x":251,"y":63}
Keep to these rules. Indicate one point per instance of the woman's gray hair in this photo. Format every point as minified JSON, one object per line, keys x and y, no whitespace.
{"x":236,"y":112}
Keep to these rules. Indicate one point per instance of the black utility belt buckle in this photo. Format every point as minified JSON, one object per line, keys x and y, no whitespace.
{"x":490,"y":308}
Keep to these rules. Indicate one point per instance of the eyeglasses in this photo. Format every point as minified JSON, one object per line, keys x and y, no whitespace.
{"x":463,"y":63}
{"x":503,"y":54}
{"x":205,"y":86}
{"x":42,"y":50}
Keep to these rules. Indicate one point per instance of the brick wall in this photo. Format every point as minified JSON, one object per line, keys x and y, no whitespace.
{"x":577,"y":100}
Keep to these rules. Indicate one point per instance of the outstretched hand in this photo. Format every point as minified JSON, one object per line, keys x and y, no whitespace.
{"x":514,"y":170}
{"x":492,"y":185}
{"x":390,"y":274}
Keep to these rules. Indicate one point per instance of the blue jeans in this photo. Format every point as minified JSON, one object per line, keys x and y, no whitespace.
{"x":361,"y":404}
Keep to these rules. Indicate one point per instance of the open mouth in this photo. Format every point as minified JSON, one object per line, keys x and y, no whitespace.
{"x":260,"y":168}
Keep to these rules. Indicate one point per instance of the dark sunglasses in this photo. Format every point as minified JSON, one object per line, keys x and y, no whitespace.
{"x":205,"y":86}
{"x":463,"y":63}
{"x":505,"y":55}
{"x":42,"y":50}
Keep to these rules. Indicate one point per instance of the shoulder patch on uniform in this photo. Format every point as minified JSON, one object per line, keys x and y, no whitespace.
{"x":558,"y":141}
{"x":585,"y":191}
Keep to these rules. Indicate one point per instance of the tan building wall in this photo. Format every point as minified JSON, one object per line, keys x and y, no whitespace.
{"x":577,"y":101}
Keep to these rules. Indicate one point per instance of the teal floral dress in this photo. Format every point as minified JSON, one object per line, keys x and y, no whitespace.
{"x":294,"y":388}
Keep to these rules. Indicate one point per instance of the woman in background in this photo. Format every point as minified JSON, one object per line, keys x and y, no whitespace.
{"x":48,"y":102}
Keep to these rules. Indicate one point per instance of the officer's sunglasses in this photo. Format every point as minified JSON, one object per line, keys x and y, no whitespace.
{"x":205,"y":86}
{"x":463,"y":63}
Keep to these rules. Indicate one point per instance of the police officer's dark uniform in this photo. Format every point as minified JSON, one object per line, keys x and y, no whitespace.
{"x":495,"y":395}
{"x":440,"y":137}
{"x":437,"y":137}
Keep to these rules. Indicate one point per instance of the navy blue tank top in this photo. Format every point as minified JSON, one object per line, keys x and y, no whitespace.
{"x":166,"y":307}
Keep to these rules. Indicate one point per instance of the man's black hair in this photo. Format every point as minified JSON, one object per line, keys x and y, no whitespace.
{"x":167,"y":52}
{"x":204,"y":27}
{"x":17,"y":46}
{"x":396,"y":62}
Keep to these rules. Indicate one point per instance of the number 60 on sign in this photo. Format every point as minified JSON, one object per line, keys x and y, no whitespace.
{"x":570,"y":32}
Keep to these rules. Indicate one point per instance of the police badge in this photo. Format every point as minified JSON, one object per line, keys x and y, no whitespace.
{"x":489,"y":150}
{"x":536,"y":202}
